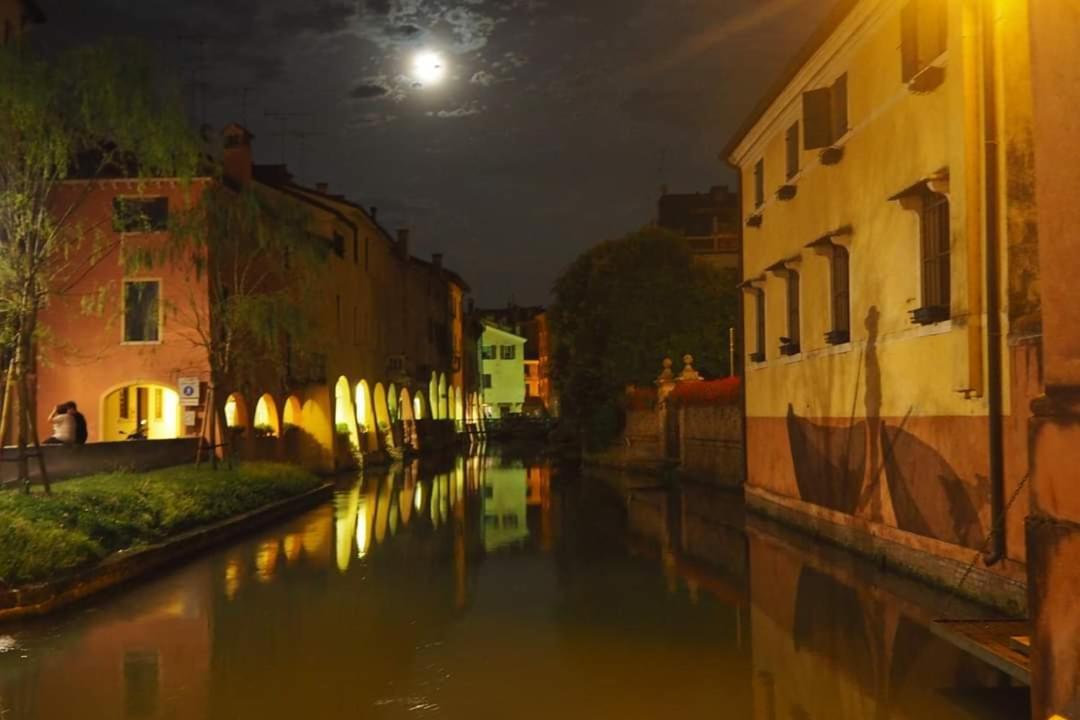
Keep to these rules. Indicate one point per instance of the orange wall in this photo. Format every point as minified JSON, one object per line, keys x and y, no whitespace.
{"x":82,"y":357}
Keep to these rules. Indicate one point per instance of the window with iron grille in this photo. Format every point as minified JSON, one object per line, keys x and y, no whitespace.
{"x":759,"y":327}
{"x":841,"y":296}
{"x":934,"y":241}
{"x":790,"y":344}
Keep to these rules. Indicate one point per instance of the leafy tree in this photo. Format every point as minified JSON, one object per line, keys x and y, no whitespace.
{"x":624,"y":305}
{"x":91,"y":112}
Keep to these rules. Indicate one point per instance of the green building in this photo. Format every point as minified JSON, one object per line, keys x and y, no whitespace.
{"x":502,"y":368}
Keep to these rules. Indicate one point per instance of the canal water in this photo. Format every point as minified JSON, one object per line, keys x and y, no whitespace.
{"x":490,"y":586}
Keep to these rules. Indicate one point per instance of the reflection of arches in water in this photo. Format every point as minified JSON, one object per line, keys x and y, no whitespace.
{"x":292,"y":544}
{"x":346,"y":506}
{"x":292,"y":415}
{"x":382,"y":509}
{"x":363,"y":525}
{"x":395,"y":513}
{"x":266,"y":558}
{"x":236,"y":414}
{"x":266,"y":417}
{"x":344,"y":413}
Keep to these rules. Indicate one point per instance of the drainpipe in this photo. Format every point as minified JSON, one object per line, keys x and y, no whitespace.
{"x":993,"y":290}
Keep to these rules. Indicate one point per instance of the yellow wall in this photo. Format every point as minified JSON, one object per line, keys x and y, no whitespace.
{"x":896,"y":139}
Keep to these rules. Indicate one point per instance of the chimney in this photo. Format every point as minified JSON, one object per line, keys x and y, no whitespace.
{"x":237,"y":158}
{"x":403,"y":242}
{"x":374,"y":214}
{"x":436,"y":260}
{"x":322,"y":188}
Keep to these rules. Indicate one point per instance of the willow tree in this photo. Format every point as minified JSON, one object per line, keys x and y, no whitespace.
{"x":92,"y":112}
{"x":252,"y":272}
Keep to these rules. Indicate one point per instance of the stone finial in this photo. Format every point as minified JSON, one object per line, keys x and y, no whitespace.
{"x":688,"y":372}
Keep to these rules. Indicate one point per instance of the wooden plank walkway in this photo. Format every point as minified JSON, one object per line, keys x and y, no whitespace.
{"x":1001,"y":643}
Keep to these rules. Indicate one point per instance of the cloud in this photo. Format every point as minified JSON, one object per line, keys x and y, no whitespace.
{"x":483,"y":78}
{"x":471,"y":29}
{"x":403,"y":32}
{"x":369,"y":90}
{"x":467,"y":110}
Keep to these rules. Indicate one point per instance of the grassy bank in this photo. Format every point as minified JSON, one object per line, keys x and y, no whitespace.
{"x":86,"y":520}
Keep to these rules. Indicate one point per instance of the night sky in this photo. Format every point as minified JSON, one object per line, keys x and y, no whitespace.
{"x":554,"y":128}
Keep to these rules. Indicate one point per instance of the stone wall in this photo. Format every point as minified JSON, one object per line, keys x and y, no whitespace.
{"x":67,"y":461}
{"x":711,"y":443}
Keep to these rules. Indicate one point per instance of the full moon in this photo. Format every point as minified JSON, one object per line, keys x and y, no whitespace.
{"x":429,"y":68}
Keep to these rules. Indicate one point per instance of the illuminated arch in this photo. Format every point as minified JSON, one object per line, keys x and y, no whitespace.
{"x":433,"y":395}
{"x":444,"y":405}
{"x":420,"y":406}
{"x":236,"y":414}
{"x":154,"y":409}
{"x":451,"y":403}
{"x":382,"y":414}
{"x":459,"y":405}
{"x":365,"y":414}
{"x":266,"y":417}
{"x":392,"y":403}
{"x":293,"y":415}
{"x":344,"y":414}
{"x":407,"y":414}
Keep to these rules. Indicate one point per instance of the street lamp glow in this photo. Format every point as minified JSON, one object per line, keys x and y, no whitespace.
{"x":428,"y":68}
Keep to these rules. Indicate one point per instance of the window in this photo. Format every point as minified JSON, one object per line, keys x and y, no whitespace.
{"x":759,"y":183}
{"x":487,"y":352}
{"x":792,"y":141}
{"x":338,"y":243}
{"x":487,"y":381}
{"x":759,"y":328}
{"x":790,"y":345}
{"x":841,"y":296}
{"x":825,"y":115}
{"x":507,"y":352}
{"x":132,"y":215}
{"x":356,"y":250}
{"x":924,"y":35}
{"x":934,"y":243}
{"x":142,"y":311}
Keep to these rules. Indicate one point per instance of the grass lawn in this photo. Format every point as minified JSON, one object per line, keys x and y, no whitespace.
{"x":88,"y":519}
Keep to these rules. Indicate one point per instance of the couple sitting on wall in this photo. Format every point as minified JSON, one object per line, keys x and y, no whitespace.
{"x":69,"y":425}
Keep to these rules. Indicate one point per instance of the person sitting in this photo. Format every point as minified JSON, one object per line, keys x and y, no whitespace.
{"x":81,"y":433}
{"x":63,"y":423}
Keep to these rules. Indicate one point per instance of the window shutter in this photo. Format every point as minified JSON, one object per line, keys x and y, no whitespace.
{"x":817,"y":128}
{"x":909,"y":40}
{"x":793,"y":150}
{"x":932,"y":26}
{"x":839,"y":107}
{"x":759,"y":183}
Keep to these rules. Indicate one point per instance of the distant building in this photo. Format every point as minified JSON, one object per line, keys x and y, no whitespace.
{"x":16,"y":16}
{"x":532,"y":324}
{"x":709,"y":221}
{"x":502,"y":367}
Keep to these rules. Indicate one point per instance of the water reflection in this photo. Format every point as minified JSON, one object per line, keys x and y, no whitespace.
{"x":434,"y":589}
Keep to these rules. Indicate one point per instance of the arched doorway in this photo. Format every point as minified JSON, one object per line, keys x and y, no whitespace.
{"x":292,"y":416}
{"x":433,"y":395}
{"x":444,"y":405}
{"x":344,"y":414}
{"x":420,"y":406}
{"x":149,"y":410}
{"x":365,"y":413}
{"x":382,"y":416}
{"x":236,"y":414}
{"x":266,"y":417}
{"x":408,"y":420}
{"x":392,"y":403}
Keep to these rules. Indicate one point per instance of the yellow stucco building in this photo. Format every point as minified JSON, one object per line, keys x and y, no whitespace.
{"x":891,"y":309}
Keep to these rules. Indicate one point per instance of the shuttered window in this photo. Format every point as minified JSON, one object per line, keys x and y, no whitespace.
{"x":792,"y":150}
{"x":759,"y":183}
{"x":841,"y":290}
{"x":934,"y":230}
{"x":793,"y":309}
{"x":759,"y":330}
{"x":825,"y":114}
{"x":923,"y":35}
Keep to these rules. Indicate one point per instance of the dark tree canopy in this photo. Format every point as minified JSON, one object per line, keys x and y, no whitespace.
{"x":622,"y":307}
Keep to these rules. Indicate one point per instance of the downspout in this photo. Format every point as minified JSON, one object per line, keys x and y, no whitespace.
{"x":993,"y":290}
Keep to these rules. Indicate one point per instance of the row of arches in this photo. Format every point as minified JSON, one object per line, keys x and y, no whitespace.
{"x":366,"y":416}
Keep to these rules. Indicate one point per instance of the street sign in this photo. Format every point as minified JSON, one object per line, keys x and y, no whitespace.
{"x":189,"y":391}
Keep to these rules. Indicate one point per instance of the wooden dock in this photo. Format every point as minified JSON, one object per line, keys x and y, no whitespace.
{"x":1002,"y":643}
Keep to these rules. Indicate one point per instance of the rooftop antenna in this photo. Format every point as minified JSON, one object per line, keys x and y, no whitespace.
{"x":282,"y":119}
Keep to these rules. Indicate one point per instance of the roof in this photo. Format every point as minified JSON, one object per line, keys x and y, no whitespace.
{"x":841,"y":9}
{"x":502,"y":331}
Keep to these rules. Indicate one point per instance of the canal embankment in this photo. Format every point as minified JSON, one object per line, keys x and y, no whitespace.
{"x":99,"y":531}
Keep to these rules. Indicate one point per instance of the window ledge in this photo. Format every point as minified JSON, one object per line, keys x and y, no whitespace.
{"x":838,"y":337}
{"x":930,"y":315}
{"x":927,"y":80}
{"x":938,"y":328}
{"x":755,"y":220}
{"x":141,"y":342}
{"x":832,"y":155}
{"x":791,"y":359}
{"x":790,"y":349}
{"x":787,"y":192}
